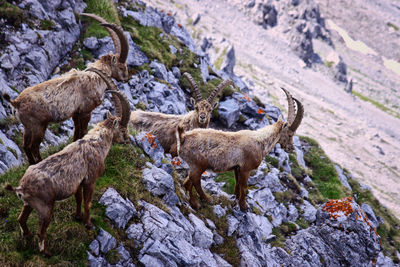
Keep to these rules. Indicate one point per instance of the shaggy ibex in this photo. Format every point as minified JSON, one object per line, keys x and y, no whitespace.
{"x":163,"y":126}
{"x":240,"y":151}
{"x":69,"y":172}
{"x":74,"y":94}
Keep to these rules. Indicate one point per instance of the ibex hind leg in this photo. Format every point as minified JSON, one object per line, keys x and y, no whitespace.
{"x":44,"y":212}
{"x":23,"y":218}
{"x":28,"y":145}
{"x":37,"y":138}
{"x":196,"y":180}
{"x":78,"y":199}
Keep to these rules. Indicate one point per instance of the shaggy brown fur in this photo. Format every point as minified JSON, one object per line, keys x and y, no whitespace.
{"x":74,"y":94}
{"x":66,"y":173}
{"x":220,"y":151}
{"x":163,"y":126}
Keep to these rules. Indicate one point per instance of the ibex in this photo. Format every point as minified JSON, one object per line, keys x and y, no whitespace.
{"x":75,"y":94}
{"x":240,"y":151}
{"x":163,"y":126}
{"x":69,"y":172}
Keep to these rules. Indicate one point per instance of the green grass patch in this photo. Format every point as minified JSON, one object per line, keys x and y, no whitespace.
{"x":11,"y":13}
{"x":68,"y":240}
{"x":106,"y":10}
{"x":47,"y":24}
{"x":229,"y":179}
{"x":377,"y":104}
{"x":324,"y":174}
{"x":392,"y":26}
{"x":272,"y":160}
{"x":218,"y":62}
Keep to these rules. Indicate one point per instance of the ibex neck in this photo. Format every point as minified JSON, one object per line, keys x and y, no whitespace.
{"x":101,"y":66}
{"x":100,"y":139}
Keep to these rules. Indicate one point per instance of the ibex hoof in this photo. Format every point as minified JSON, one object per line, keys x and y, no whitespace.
{"x":206,"y":199}
{"x":243,"y":207}
{"x":89,"y":226}
{"x":195,"y":205}
{"x":46,"y":253}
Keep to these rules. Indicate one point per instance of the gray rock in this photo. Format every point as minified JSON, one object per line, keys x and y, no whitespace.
{"x":151,"y":146}
{"x":204,"y":69}
{"x":106,"y":241}
{"x":219,"y":211}
{"x":218,"y":240}
{"x":342,"y":177}
{"x":349,"y":233}
{"x":119,"y":210}
{"x":161,"y":72}
{"x":229,"y":62}
{"x":135,"y":231}
{"x":233,"y":224}
{"x":203,"y":237}
{"x":196,"y":19}
{"x":370,"y":214}
{"x":173,"y":49}
{"x":293,"y":214}
{"x":303,"y":193}
{"x":299,"y":151}
{"x":341,"y":71}
{"x":126,"y":259}
{"x":309,"y":212}
{"x":95,"y":247}
{"x":148,"y":260}
{"x":229,"y":112}
{"x":160,"y":183}
{"x":177,"y":72}
{"x":96,"y":261}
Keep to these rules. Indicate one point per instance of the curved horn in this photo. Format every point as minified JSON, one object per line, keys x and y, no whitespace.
{"x":113,"y":34}
{"x":194,"y":86}
{"x":126,"y":109}
{"x":123,"y":55}
{"x":299,"y":116}
{"x":111,"y":87}
{"x":219,"y":89}
{"x":290,"y":106}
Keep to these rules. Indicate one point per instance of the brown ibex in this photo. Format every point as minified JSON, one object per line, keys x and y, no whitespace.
{"x":75,"y":94}
{"x":69,"y":172}
{"x":163,"y":126}
{"x":240,"y":151}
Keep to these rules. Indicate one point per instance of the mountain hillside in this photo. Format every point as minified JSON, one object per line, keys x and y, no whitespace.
{"x":306,"y":208}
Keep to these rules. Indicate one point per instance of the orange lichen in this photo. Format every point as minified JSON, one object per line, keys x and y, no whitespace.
{"x":176,"y":162}
{"x":260,"y":111}
{"x":338,"y":207}
{"x":169,"y":14}
{"x":151,"y":139}
{"x":179,"y":25}
{"x":247,"y":97}
{"x":204,"y":173}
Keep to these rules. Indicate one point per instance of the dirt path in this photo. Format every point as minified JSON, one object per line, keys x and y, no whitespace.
{"x":352,"y":132}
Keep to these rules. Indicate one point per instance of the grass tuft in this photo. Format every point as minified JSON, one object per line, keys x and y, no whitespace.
{"x":106,"y":10}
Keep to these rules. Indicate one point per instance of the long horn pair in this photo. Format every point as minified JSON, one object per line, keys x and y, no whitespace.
{"x":194,"y":86}
{"x":294,"y":120}
{"x":216,"y":91}
{"x":122,"y":108}
{"x":120,"y":41}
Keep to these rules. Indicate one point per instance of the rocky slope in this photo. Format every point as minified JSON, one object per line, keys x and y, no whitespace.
{"x":143,"y":217}
{"x":359,"y":130}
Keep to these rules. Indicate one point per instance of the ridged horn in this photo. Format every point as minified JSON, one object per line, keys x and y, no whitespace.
{"x":299,"y":116}
{"x":113,"y":34}
{"x":111,"y":87}
{"x":123,"y":55}
{"x":194,"y":86}
{"x":219,"y":88}
{"x":126,"y":109}
{"x":290,"y":106}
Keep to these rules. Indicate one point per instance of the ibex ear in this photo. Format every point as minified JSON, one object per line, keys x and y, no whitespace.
{"x":192,"y":101}
{"x":215,"y":105}
{"x":115,"y":123}
{"x":114,"y":59}
{"x":280,"y":118}
{"x":108,"y":114}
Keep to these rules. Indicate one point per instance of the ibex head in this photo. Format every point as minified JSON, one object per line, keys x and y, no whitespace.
{"x":204,"y":107}
{"x":293,"y":120}
{"x":122,"y":109}
{"x":117,"y":61}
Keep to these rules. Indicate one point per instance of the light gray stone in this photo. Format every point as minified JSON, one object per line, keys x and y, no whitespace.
{"x":106,"y":241}
{"x":343,"y":178}
{"x":119,"y":210}
{"x":219,"y":211}
{"x":229,"y":112}
{"x":309,"y":212}
{"x":203,"y":237}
